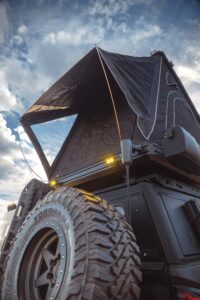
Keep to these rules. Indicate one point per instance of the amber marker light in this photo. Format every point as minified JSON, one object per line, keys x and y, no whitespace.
{"x":110,"y":160}
{"x":53,"y":183}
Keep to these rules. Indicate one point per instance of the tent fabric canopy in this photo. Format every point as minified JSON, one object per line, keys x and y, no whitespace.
{"x":138,"y":78}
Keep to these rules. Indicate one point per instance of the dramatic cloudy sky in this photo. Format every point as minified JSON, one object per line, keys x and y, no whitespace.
{"x":41,"y":39}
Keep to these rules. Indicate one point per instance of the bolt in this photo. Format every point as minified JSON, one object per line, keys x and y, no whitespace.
{"x":49,"y":276}
{"x":52,"y":262}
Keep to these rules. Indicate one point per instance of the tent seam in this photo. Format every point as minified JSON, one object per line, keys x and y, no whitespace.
{"x":157,"y":98}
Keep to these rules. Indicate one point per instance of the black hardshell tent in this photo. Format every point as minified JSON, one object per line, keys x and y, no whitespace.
{"x":115,"y":96}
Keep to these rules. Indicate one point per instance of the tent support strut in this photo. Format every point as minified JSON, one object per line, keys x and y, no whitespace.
{"x":111,"y":95}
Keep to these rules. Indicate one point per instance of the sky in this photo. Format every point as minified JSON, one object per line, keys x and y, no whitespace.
{"x":40,"y":40}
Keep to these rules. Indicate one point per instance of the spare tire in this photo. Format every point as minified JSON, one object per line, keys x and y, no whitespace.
{"x":73,"y":245}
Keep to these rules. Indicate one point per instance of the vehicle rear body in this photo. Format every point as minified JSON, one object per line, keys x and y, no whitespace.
{"x":169,"y":243}
{"x":151,"y":109}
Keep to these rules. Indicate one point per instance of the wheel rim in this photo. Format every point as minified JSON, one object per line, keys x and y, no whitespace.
{"x":43,"y":264}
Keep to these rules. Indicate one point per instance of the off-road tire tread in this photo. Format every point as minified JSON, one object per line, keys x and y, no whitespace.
{"x":107,"y":262}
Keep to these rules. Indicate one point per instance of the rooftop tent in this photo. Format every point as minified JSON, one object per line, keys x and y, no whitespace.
{"x":148,"y":98}
{"x":137,"y":78}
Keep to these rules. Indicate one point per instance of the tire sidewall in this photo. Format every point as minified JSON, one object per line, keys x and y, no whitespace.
{"x":56,"y":216}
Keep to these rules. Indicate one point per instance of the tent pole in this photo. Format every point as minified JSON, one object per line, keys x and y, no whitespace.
{"x":127,"y":166}
{"x":111,"y":95}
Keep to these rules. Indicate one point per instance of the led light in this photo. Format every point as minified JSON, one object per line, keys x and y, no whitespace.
{"x":53,"y":183}
{"x":110,"y":160}
{"x":188,"y":296}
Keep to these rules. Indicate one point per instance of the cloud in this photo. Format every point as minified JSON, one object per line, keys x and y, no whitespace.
{"x":22,"y":29}
{"x":195,"y":96}
{"x":17,"y":39}
{"x":188,"y":69}
{"x":21,"y":83}
{"x":77,"y":33}
{"x":14,"y":172}
{"x":3,"y":210}
{"x":189,"y":75}
{"x":8,"y":99}
{"x":8,"y":144}
{"x":4,"y":23}
{"x":113,"y":7}
{"x":191,"y":81}
{"x":145,"y":33}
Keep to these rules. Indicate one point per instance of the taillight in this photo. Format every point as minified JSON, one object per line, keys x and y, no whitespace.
{"x":186,"y":293}
{"x":187,"y":296}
